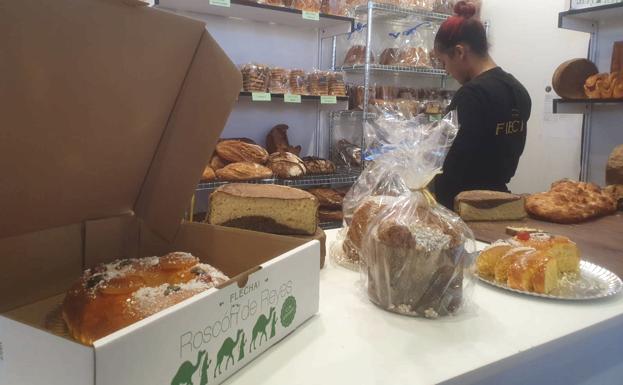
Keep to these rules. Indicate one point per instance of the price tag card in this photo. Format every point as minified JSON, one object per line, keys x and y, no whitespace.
{"x":328,"y":100}
{"x":311,"y":15}
{"x":221,"y":3}
{"x":290,"y":98}
{"x":260,"y":97}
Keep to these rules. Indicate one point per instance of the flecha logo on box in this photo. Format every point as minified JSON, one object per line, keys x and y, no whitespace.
{"x":233,"y":349}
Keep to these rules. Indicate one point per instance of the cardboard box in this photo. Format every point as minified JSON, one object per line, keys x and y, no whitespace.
{"x":110,"y":110}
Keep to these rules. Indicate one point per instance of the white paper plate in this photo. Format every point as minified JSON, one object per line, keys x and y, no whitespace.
{"x":592,"y":282}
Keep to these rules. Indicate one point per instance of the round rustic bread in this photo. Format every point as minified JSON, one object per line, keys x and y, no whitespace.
{"x":569,"y":78}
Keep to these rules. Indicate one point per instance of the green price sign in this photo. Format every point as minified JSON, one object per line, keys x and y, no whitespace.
{"x":260,"y":97}
{"x":311,"y":15}
{"x":220,"y":3}
{"x":328,"y":100}
{"x":290,"y":98}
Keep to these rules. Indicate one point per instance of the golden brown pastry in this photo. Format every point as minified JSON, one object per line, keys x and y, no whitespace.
{"x":318,"y":166}
{"x":500,"y":272}
{"x":562,"y":248}
{"x":208,"y":174}
{"x":239,"y":151}
{"x":277,"y":141}
{"x":595,"y":85}
{"x":244,"y":171}
{"x":570,"y":202}
{"x":286,"y":165}
{"x":489,"y":257}
{"x":112,"y":296}
{"x":536,"y":272}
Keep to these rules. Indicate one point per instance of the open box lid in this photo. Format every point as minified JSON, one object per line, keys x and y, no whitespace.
{"x":106,"y":107}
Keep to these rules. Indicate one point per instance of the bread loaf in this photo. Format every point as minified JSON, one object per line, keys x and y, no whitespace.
{"x":239,"y":151}
{"x":481,"y":205}
{"x":243,"y":171}
{"x":318,"y":166}
{"x":614,"y":167}
{"x":217,"y":163}
{"x":277,"y":141}
{"x":286,"y":165}
{"x":328,"y":198}
{"x":325,"y":215}
{"x":616,"y":191}
{"x":208,"y":174}
{"x":570,"y":78}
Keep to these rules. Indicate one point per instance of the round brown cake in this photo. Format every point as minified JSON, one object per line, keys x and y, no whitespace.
{"x":415,"y":259}
{"x":112,"y":296}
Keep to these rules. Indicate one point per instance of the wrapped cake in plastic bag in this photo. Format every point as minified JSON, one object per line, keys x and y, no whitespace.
{"x":414,"y":50}
{"x":415,"y":255}
{"x":356,"y":54}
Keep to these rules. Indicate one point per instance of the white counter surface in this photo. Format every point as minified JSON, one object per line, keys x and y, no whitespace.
{"x":504,"y":338}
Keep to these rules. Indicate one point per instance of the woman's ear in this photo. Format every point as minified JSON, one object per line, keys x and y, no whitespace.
{"x":460,"y":51}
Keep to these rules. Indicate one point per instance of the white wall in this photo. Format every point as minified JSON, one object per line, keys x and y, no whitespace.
{"x":526,"y":42}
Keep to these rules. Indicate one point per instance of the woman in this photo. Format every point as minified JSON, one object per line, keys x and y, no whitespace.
{"x":493,"y":110}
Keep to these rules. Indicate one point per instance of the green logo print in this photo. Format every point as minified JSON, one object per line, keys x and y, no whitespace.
{"x":204,"y":370}
{"x":187,"y":369}
{"x":243,"y":341}
{"x":288,"y":311}
{"x":227,"y":350}
{"x":260,"y":328}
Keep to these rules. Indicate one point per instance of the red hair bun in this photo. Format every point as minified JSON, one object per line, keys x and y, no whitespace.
{"x":465,"y":9}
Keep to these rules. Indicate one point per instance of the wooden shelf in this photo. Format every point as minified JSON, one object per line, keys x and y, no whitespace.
{"x":242,"y":9}
{"x":585,"y":19}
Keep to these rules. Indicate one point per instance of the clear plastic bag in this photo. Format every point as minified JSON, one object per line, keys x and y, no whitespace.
{"x":337,"y":87}
{"x":297,"y":82}
{"x":318,"y":83}
{"x":444,"y":6}
{"x":278,"y":81}
{"x":255,"y":77}
{"x":414,"y":50}
{"x":416,"y":256}
{"x":356,"y":54}
{"x":391,"y":54}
